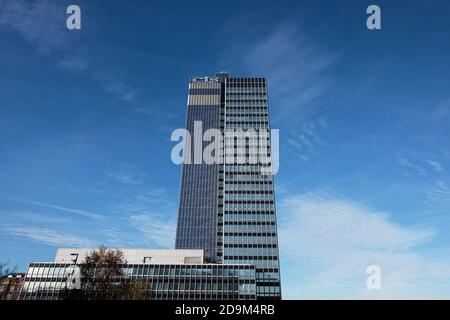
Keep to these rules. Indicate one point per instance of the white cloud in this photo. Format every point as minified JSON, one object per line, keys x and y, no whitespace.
{"x":302,"y":142}
{"x":155,"y":199}
{"x":42,"y":24}
{"x":83,"y":213}
{"x":439,"y":194}
{"x":112,"y":82}
{"x":441,"y":111}
{"x":298,"y":71}
{"x":408,"y":164}
{"x":435,"y":165}
{"x":153,"y":215}
{"x":157,"y":229}
{"x":297,"y":67}
{"x":127,"y":174}
{"x":338,"y":239}
{"x":47,"y":236}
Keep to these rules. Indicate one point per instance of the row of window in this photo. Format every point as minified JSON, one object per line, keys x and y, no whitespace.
{"x":244,"y":157}
{"x":246,"y":79}
{"x":249,"y":228}
{"x":248,"y":178}
{"x":261,"y":168}
{"x":248,"y":197}
{"x":245,"y":95}
{"x":248,"y":200}
{"x":250,"y":217}
{"x":248,"y":118}
{"x":266,"y":263}
{"x":247,"y":126}
{"x":250,"y":240}
{"x":259,"y":223}
{"x":250,"y":121}
{"x":229,"y":183}
{"x":252,"y":207}
{"x":251,"y":257}
{"x":236,"y":109}
{"x":201,"y":285}
{"x":164,"y":269}
{"x":248,"y":192}
{"x":252,"y":85}
{"x":250,"y":245}
{"x":260,"y":252}
{"x":249,"y":211}
{"x":242,"y":101}
{"x":241,"y":135}
{"x":247,"y":150}
{"x":248,"y":234}
{"x":242,"y":173}
{"x":246,"y":113}
{"x":159,"y":295}
{"x":246,"y":90}
{"x":243,"y":185}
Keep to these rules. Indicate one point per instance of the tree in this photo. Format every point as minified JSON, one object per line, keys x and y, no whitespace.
{"x":103,"y":278}
{"x":101,"y":274}
{"x":5,"y":269}
{"x":7,"y":284}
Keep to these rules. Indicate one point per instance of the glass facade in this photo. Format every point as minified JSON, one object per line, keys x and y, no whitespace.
{"x":241,"y":200}
{"x":45,"y":281}
{"x":197,"y":215}
{"x":249,"y":219}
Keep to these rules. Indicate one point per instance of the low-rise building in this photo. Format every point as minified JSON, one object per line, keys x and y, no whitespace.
{"x":170,"y":275}
{"x":11,"y":285}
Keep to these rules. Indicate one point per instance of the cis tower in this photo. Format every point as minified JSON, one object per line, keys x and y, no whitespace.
{"x":228,"y":209}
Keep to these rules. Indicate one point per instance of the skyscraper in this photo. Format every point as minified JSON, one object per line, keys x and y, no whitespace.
{"x":227,"y":208}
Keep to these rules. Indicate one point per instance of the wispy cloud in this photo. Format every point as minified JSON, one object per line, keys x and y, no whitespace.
{"x":415,"y":167}
{"x":304,"y":140}
{"x":340,"y":238}
{"x":442,"y":111}
{"x":113,"y":83}
{"x":47,"y":236}
{"x":158,"y":229}
{"x":420,"y":166}
{"x":439,"y":194}
{"x":127,"y":174}
{"x":151,"y":199}
{"x":298,"y":69}
{"x":42,"y":24}
{"x":436,"y":166}
{"x":83,"y":213}
{"x":78,"y":60}
{"x":153,"y":215}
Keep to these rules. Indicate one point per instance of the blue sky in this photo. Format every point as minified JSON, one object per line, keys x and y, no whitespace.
{"x":86,"y":118}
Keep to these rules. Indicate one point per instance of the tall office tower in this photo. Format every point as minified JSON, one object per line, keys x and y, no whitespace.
{"x":228,"y":208}
{"x":199,"y":194}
